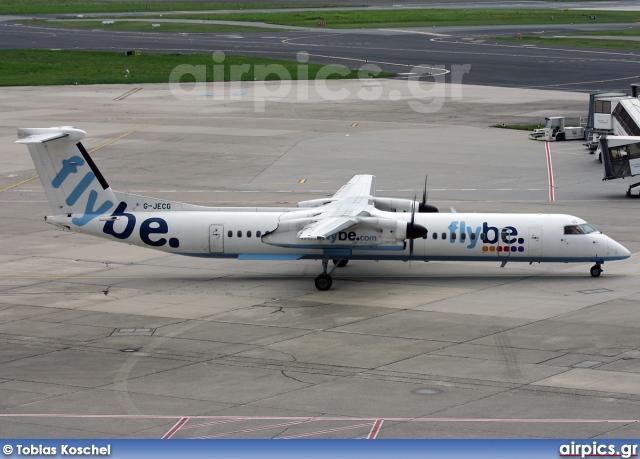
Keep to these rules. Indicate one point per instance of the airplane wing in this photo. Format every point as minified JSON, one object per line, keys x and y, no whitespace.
{"x":358,"y":186}
{"x":350,"y":202}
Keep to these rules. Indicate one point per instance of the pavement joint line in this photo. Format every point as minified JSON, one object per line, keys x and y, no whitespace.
{"x":433,"y":34}
{"x":292,"y":276}
{"x":315,"y":419}
{"x":90,"y":151}
{"x":127,"y":94}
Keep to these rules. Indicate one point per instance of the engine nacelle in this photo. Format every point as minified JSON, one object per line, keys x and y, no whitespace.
{"x":369,"y":233}
{"x":402,"y":205}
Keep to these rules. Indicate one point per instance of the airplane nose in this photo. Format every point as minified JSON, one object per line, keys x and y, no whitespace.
{"x":624,"y":251}
{"x":617,"y":249}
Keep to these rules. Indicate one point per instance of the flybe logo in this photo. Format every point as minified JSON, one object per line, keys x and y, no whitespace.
{"x":70,"y":166}
{"x":491,"y":238}
{"x":149,"y":226}
{"x":350,"y":236}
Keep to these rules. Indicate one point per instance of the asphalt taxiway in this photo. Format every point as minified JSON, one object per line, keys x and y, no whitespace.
{"x":100,"y":339}
{"x":493,"y":63}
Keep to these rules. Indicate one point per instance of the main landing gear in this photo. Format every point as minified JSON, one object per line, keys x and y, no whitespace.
{"x":596,"y":270}
{"x":324,"y":280}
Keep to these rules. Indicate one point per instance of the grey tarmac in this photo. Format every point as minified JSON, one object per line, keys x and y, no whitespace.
{"x":104,"y":340}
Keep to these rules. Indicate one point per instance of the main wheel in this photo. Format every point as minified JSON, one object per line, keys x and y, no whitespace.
{"x":596,"y":270}
{"x":340,"y":263}
{"x":323,"y":282}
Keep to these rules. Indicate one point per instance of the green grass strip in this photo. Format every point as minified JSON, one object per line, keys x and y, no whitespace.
{"x":131,"y":6}
{"x":423,"y":18}
{"x":622,"y":45}
{"x":35,"y":68}
{"x":519,"y":127}
{"x":145,"y":26}
{"x":612,"y":33}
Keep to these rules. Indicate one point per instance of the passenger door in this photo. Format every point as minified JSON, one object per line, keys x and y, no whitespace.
{"x":216,"y":238}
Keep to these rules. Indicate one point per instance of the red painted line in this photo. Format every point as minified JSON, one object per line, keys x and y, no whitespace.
{"x":256,"y":429}
{"x":549,"y":171}
{"x":320,"y":432}
{"x":226,"y":421}
{"x":175,"y":428}
{"x":375,"y":429}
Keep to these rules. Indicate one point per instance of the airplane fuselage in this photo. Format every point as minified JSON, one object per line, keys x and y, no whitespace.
{"x":352,"y":224}
{"x":455,"y":236}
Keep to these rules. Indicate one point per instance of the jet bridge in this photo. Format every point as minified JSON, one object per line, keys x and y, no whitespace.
{"x":621,"y":159}
{"x":612,"y":113}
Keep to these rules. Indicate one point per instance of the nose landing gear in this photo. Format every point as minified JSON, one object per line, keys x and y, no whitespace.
{"x":596,"y":270}
{"x":324,"y":280}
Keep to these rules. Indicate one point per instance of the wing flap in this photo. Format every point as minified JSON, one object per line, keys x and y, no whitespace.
{"x":324,"y":228}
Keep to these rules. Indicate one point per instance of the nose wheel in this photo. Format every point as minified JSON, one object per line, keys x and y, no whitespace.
{"x":596,"y":270}
{"x":324,"y":280}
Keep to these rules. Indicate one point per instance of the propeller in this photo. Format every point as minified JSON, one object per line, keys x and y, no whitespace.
{"x":412,"y":227}
{"x":414,"y":230}
{"x":423,"y":207}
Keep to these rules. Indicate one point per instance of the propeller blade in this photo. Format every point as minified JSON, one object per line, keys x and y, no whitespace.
{"x":424,"y":207}
{"x":424,"y":192}
{"x":413,"y":218}
{"x":413,"y":209}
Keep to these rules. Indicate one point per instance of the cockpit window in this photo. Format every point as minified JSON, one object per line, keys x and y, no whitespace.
{"x":573,"y":229}
{"x":588,"y":228}
{"x":585,"y":228}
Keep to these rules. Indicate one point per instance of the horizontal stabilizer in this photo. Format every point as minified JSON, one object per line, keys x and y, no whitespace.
{"x":42,"y":135}
{"x":42,"y":138}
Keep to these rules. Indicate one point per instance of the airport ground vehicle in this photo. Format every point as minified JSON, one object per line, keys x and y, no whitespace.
{"x":555,"y":130}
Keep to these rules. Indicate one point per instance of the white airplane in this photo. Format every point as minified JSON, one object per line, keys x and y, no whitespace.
{"x":353,"y":224}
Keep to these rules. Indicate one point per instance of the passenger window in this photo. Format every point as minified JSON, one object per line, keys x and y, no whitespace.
{"x":425,"y":235}
{"x":229,"y":233}
{"x":473,"y":236}
{"x":483,"y":236}
{"x":435,"y":235}
{"x":463,"y":237}
{"x":444,"y":235}
{"x":239,"y":233}
{"x":258,"y":233}
{"x":248,"y":233}
{"x":453,"y":236}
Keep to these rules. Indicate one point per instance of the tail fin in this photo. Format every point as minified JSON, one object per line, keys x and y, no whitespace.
{"x":71,"y":180}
